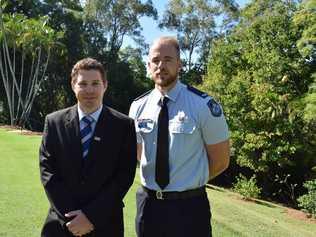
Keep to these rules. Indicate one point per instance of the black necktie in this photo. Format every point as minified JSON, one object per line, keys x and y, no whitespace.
{"x":162,"y":156}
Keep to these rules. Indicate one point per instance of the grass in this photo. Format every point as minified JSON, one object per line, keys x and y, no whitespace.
{"x":23,"y":204}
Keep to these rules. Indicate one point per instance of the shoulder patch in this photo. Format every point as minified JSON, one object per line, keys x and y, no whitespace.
{"x":142,"y":95}
{"x":197,"y":92}
{"x":214,"y":107}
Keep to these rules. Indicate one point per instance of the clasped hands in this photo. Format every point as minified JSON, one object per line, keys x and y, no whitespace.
{"x":80,"y":224}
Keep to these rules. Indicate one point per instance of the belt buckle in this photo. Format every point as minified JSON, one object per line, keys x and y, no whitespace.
{"x":159,"y":195}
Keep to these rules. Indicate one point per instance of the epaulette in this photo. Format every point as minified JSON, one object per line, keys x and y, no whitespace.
{"x":143,"y":95}
{"x":197,"y":92}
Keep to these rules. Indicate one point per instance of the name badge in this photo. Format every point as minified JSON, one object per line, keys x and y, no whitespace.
{"x":145,"y":123}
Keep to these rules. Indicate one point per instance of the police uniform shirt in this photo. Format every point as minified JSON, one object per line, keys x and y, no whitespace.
{"x":195,"y":119}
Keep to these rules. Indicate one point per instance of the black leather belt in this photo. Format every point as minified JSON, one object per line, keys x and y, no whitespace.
{"x":161,"y":195}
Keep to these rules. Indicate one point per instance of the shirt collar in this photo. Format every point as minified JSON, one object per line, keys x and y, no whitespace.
{"x":95,"y":115}
{"x":172,"y":94}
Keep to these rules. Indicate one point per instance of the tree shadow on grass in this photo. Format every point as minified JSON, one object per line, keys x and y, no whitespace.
{"x":264,"y":203}
{"x":257,"y":201}
{"x":208,"y":186}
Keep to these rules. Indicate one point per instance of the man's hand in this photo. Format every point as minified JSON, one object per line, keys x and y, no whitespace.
{"x":80,"y":224}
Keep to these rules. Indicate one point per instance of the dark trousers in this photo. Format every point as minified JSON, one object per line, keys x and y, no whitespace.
{"x":188,"y":217}
{"x":56,"y":230}
{"x":53,"y":228}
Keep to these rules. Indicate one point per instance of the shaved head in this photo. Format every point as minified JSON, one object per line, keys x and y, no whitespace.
{"x":167,"y":40}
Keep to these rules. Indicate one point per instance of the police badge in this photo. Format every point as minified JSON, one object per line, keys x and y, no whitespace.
{"x":214,"y":107}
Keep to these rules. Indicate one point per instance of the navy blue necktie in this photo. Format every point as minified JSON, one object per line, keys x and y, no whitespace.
{"x":86,"y":135}
{"x":162,"y":156}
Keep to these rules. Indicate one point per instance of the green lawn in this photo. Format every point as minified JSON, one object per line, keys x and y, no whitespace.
{"x":23,"y":204}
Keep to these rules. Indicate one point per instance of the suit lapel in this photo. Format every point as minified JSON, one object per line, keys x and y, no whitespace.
{"x":100,"y":144}
{"x":74,"y":137}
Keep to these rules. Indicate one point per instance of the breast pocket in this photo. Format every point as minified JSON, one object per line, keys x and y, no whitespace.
{"x":183,"y":138}
{"x":185,"y":127}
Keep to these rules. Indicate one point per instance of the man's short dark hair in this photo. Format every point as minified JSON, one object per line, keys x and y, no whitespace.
{"x":87,"y":64}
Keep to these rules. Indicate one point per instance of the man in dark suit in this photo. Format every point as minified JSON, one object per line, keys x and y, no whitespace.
{"x":87,"y":160}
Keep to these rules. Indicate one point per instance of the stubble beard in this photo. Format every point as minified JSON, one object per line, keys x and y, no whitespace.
{"x":165,"y":81}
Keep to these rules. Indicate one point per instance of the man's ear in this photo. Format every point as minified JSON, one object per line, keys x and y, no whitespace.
{"x":106,"y":84}
{"x":180,"y":65}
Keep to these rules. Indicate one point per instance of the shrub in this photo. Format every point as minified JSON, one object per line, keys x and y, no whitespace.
{"x":247,"y":188}
{"x":308,"y":201}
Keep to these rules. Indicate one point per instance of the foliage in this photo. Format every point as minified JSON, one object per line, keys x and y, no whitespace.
{"x":247,"y":187}
{"x":310,"y":103}
{"x":134,"y":59}
{"x":285,"y":188}
{"x":308,"y":201}
{"x":261,"y":78}
{"x":61,"y":16}
{"x":306,"y":18}
{"x":118,"y":19}
{"x":24,"y":41}
{"x":194,"y":23}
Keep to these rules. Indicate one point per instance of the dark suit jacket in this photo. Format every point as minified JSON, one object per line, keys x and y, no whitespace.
{"x":96,"y":184}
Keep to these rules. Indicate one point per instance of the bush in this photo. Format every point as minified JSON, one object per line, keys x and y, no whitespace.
{"x":308,"y":201}
{"x":247,"y":188}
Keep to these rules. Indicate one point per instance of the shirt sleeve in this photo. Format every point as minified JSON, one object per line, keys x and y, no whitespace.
{"x":133,"y":114}
{"x":213,"y":123}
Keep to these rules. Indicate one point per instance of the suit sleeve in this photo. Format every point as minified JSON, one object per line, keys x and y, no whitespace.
{"x":99,"y":210}
{"x":56,"y":191}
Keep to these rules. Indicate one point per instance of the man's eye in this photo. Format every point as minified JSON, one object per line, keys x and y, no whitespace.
{"x":82,"y":84}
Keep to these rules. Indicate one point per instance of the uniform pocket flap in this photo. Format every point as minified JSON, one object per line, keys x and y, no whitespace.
{"x":186,"y":127}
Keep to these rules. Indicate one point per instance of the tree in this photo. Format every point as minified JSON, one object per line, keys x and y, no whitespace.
{"x":305,"y":18}
{"x":133,"y":56}
{"x":118,"y":19}
{"x":127,"y":79}
{"x":259,"y":75}
{"x":23,"y":40}
{"x":194,"y":23}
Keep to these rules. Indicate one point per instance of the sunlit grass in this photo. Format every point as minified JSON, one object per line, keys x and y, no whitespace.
{"x":23,"y":204}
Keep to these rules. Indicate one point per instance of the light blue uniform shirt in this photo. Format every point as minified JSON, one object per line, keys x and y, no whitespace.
{"x":194,"y":120}
{"x":95,"y":115}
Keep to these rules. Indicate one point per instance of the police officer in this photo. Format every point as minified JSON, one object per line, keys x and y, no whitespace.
{"x":182,"y":142}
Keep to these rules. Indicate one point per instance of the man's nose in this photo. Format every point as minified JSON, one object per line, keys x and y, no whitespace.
{"x":89,"y":88}
{"x":161,"y":64}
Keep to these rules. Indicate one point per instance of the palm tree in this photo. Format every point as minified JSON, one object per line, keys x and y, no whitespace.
{"x":25,"y":47}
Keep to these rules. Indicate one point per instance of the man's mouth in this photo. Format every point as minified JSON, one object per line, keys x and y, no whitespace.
{"x":161,"y":74}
